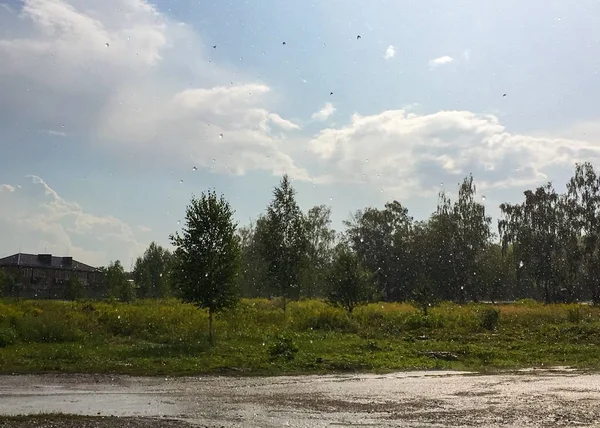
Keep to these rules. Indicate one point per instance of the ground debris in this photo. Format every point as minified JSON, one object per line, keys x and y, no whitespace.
{"x":74,"y":421}
{"x":440,"y":355}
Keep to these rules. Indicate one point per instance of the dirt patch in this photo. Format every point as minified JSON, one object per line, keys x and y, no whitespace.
{"x":68,"y":421}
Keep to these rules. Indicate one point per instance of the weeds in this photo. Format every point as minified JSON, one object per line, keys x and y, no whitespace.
{"x":166,"y":336}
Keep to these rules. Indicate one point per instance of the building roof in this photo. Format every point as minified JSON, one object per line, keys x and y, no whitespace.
{"x":44,"y":261}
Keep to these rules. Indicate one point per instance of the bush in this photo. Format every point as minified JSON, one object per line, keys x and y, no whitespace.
{"x":283,"y":347}
{"x":488,"y":318}
{"x":8,"y":336}
{"x":574,"y":315}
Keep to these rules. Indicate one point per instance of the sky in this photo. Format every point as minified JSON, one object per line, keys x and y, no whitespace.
{"x":114,"y":114}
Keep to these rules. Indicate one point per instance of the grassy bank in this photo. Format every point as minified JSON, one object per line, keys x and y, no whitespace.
{"x":167,"y":337}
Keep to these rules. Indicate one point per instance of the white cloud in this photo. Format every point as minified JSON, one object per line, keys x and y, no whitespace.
{"x":35,"y":218}
{"x":323,"y":114}
{"x":410,"y":154}
{"x":389,"y":52}
{"x":130,"y":78}
{"x":442,"y":60}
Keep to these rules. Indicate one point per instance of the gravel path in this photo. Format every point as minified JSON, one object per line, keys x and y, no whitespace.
{"x":536,"y":398}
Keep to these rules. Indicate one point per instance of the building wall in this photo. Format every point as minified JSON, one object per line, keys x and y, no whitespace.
{"x":48,"y":283}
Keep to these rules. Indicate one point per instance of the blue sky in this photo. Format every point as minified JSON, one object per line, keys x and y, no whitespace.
{"x":107,"y":107}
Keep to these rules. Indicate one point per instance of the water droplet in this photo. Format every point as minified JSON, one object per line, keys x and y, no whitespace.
{"x":331,"y":198}
{"x":181,"y":181}
{"x":381,"y":190}
{"x":213,"y":161}
{"x":194,"y":168}
{"x":442,"y":184}
{"x":241,"y":58}
{"x":119,"y":317}
{"x":483,"y":198}
{"x":521,"y":264}
{"x":220,"y":135}
{"x":366,"y":160}
{"x":178,"y":222}
{"x":106,"y":44}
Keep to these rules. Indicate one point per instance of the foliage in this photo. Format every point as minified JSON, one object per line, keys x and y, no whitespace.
{"x":208,"y":255}
{"x":283,"y":347}
{"x":349,"y":283}
{"x":489,"y":318}
{"x":151,"y":272}
{"x":321,"y":239}
{"x":74,"y":288}
{"x":159,"y":337}
{"x":283,"y":241}
{"x":117,"y":282}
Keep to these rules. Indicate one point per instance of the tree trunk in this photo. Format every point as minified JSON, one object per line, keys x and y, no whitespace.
{"x":211,"y":331}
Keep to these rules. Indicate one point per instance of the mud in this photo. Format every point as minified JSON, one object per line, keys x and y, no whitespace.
{"x":543,"y":398}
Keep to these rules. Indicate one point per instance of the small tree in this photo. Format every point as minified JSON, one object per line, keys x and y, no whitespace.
{"x":208,"y":255}
{"x":349,"y":284}
{"x":74,"y":288}
{"x":152,"y":272}
{"x":118,"y":285}
{"x":283,"y":241}
{"x":8,"y":285}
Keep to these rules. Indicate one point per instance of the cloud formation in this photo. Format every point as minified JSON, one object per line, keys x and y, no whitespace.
{"x":35,"y":218}
{"x":323,"y":114}
{"x":389,"y":52}
{"x":410,"y":154}
{"x":122,"y":74}
{"x":442,"y":60}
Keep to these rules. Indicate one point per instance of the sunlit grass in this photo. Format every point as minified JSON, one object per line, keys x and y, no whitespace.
{"x":169,"y":337}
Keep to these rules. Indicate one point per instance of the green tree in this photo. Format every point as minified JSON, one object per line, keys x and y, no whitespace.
{"x":254,"y":278}
{"x":350,"y":285}
{"x":74,"y":288}
{"x":9,"y":286}
{"x":321,"y":240}
{"x":208,"y":255}
{"x":117,"y":282}
{"x":532,"y":227}
{"x":151,"y":272}
{"x":583,"y":199}
{"x":283,"y":242}
{"x":381,"y":238}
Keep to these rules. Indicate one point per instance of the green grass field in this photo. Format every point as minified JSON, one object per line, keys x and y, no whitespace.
{"x":170,"y":338}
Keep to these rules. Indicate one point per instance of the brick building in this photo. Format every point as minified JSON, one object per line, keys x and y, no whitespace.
{"x":44,"y":276}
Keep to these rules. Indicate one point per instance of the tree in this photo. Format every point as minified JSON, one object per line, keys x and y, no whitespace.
{"x":533,"y":229}
{"x":8,"y":285}
{"x":380,"y":239}
{"x":321,"y":239}
{"x":283,"y":242}
{"x":117,"y":283}
{"x":151,"y":272}
{"x":74,"y":288}
{"x":583,"y":199}
{"x":208,"y":255}
{"x":350,"y":285}
{"x":253,"y":279}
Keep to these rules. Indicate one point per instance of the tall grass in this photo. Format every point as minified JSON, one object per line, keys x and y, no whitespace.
{"x":148,"y":336}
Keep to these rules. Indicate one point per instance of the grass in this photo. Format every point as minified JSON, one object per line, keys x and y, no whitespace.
{"x":170,"y":338}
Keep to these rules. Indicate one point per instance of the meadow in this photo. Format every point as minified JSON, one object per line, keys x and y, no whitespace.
{"x":167,"y":337}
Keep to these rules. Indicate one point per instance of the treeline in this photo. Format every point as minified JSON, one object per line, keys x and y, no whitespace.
{"x":547,"y":247}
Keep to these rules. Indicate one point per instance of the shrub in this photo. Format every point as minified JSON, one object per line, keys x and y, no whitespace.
{"x":283,"y":347}
{"x":8,"y":336}
{"x":574,"y":315}
{"x":488,"y":318}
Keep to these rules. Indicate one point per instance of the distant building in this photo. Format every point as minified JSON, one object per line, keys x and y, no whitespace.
{"x":44,"y":276}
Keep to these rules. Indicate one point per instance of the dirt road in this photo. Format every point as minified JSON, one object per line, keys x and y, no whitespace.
{"x":528,"y":398}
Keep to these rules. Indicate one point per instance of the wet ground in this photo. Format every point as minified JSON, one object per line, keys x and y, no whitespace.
{"x":543,"y":398}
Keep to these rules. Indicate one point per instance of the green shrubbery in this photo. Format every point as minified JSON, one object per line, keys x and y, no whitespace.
{"x":160,"y":336}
